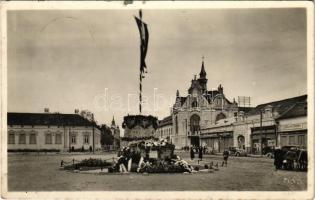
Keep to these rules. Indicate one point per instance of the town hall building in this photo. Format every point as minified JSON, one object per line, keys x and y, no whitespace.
{"x":200,"y":108}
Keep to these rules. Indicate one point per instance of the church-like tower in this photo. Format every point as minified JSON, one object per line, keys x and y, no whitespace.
{"x":203,"y":78}
{"x":113,"y":125}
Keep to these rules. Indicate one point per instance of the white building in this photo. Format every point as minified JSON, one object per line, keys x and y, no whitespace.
{"x":51,"y":132}
{"x":165,"y":129}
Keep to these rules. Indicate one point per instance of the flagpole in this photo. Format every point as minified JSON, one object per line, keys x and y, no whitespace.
{"x":140,"y":83}
{"x":140,"y":95}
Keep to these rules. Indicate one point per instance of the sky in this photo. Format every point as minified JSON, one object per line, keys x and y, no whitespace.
{"x":89,"y":60}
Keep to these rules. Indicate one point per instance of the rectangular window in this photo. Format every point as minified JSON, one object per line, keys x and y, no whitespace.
{"x":283,"y":140}
{"x":11,"y":139}
{"x":301,"y":140}
{"x":22,"y":139}
{"x":86,"y":139}
{"x":32,"y":138}
{"x":58,"y":138}
{"x":73,"y":139}
{"x":48,"y":138}
{"x":291,"y":140}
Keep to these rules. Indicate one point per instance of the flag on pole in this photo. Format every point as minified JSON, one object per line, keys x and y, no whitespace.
{"x":144,"y":37}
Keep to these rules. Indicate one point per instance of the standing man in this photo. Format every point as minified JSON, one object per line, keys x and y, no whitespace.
{"x":225,"y":157}
{"x":192,"y":153}
{"x":200,"y":153}
{"x":278,"y":158}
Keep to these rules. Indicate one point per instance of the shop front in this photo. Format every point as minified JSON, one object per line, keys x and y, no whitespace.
{"x":294,"y":138}
{"x":217,"y":142}
{"x":293,"y":134}
{"x":263,"y":139}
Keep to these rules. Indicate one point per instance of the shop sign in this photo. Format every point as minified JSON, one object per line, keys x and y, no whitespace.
{"x":291,"y":127}
{"x":257,"y":132}
{"x":216,"y":135}
{"x":218,"y":129}
{"x":224,"y":134}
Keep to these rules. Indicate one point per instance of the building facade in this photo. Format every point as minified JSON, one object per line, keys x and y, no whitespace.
{"x":292,"y":126}
{"x":199,"y":109}
{"x":266,"y":119}
{"x":218,"y":137}
{"x":51,"y":131}
{"x":165,"y":129}
{"x":262,"y":128}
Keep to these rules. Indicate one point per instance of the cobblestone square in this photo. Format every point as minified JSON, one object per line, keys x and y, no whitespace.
{"x":41,"y":173}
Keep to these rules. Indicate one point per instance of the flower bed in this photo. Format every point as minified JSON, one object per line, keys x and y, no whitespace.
{"x":33,"y":150}
{"x":141,"y":157}
{"x":150,"y":156}
{"x":87,"y":164}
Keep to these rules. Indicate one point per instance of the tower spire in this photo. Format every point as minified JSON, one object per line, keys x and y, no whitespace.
{"x":203,"y":73}
{"x":113,"y":121}
{"x":203,"y":77}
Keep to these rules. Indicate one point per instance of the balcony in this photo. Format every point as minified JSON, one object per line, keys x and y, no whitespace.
{"x":195,"y":109}
{"x":195,"y":133}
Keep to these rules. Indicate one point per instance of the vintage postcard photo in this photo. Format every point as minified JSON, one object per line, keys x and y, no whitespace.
{"x":169,"y":100}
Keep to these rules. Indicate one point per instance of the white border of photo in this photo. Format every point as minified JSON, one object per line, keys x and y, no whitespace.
{"x":154,"y":195}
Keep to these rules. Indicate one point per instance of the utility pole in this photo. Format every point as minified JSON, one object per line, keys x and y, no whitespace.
{"x":276,"y":131}
{"x":69,"y":138}
{"x":93,"y":133}
{"x":261,"y":134}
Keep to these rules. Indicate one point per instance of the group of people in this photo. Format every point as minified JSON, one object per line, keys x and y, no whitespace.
{"x":200,"y":150}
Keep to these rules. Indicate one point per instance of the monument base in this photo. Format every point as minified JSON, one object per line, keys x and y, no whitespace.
{"x":139,"y":127}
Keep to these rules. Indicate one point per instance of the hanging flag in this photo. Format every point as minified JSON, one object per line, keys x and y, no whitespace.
{"x":144,"y":36}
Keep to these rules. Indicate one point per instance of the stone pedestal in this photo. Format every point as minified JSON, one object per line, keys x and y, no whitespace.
{"x":138,"y":127}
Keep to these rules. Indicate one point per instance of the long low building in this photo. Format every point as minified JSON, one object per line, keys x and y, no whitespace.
{"x":274,"y":124}
{"x":51,"y":132}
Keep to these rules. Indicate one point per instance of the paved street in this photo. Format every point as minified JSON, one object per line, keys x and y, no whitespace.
{"x":41,"y":173}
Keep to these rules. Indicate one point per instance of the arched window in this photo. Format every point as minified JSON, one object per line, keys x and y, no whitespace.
{"x":241,"y":142}
{"x":194,"y":123}
{"x":194,"y":104}
{"x":219,"y":101}
{"x":220,"y":116}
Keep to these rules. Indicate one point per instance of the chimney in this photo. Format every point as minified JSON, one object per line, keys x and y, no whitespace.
{"x":220,"y":89}
{"x":46,"y":110}
{"x":76,"y":111}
